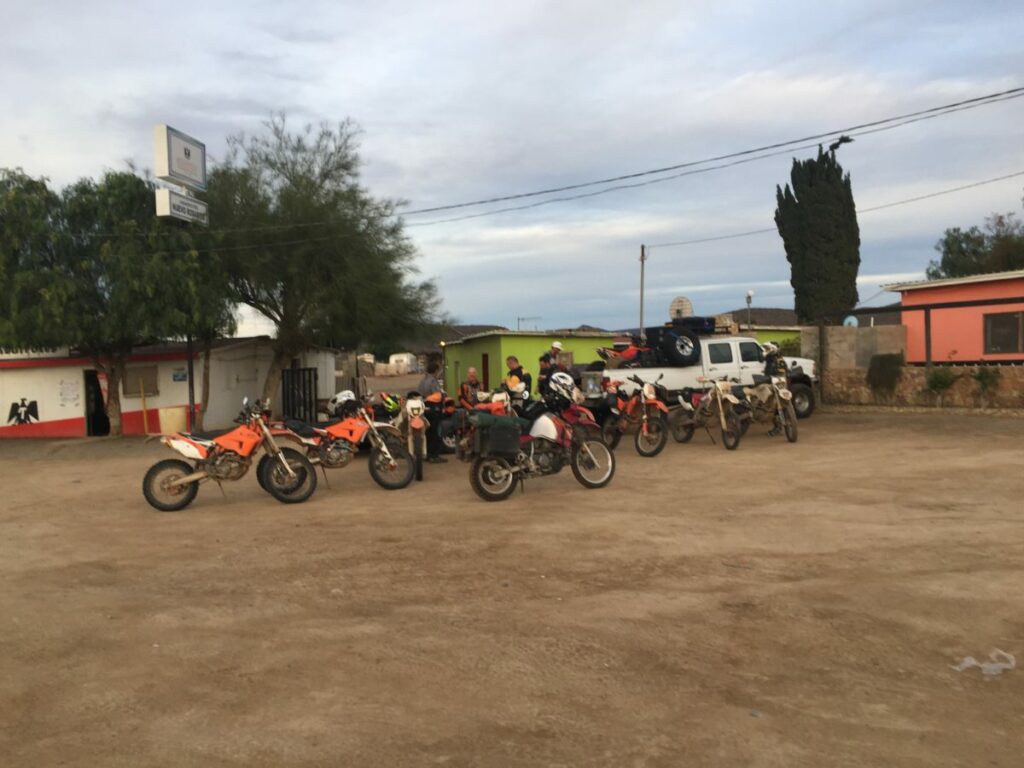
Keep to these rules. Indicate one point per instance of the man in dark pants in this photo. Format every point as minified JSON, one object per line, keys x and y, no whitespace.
{"x":429,"y":385}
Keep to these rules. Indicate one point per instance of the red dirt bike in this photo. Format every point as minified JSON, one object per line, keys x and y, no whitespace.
{"x":506,"y":455}
{"x":172,"y":484}
{"x":644,"y":409}
{"x":494,"y":403}
{"x":334,"y":443}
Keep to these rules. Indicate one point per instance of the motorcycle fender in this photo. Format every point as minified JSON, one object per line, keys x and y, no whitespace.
{"x":731,"y":398}
{"x":660,"y":405}
{"x":417,"y":422}
{"x":186,"y":448}
{"x":391,"y":429}
{"x":785,"y":394}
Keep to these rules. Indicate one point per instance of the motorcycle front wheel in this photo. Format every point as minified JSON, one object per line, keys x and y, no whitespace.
{"x":652,"y":443}
{"x":419,"y":452}
{"x":492,"y":479}
{"x":392,"y":475}
{"x":732,"y":433}
{"x":790,"y":425}
{"x":593,"y":464}
{"x":166,"y":498}
{"x":283,"y":487}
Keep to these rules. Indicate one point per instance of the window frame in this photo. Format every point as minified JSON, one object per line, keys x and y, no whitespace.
{"x":987,"y":320}
{"x":711,"y":348}
{"x":148,"y":374}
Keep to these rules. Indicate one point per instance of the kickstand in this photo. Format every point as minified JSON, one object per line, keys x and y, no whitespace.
{"x":522,"y":483}
{"x":324,"y":470}
{"x":221,"y":486}
{"x":710,"y":436}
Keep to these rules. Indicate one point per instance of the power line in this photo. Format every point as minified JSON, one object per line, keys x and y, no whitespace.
{"x":690,"y":172}
{"x":956,"y":106}
{"x":930,"y":195}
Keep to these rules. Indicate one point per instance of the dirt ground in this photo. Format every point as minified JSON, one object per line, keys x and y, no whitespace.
{"x":783,"y":605}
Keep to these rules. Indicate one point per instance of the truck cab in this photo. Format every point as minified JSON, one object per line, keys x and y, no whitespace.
{"x":733,"y":357}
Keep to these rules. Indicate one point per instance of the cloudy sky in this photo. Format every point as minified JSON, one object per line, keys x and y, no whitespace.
{"x":459,"y":101}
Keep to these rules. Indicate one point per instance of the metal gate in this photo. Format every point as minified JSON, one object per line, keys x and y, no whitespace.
{"x":298,"y":394}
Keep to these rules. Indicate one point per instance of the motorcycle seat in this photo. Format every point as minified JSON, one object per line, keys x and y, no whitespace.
{"x":325,"y":424}
{"x":760,"y":378}
{"x":739,"y":391}
{"x":207,"y":435}
{"x":300,"y":428}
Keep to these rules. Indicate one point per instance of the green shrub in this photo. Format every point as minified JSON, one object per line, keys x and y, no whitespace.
{"x":885,"y":372}
{"x":940,"y":379}
{"x":987,"y":378}
{"x":791,"y":348}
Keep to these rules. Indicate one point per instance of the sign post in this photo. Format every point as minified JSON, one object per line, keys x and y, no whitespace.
{"x":181,"y":160}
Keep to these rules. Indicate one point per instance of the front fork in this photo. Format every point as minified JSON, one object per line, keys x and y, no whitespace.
{"x":274,"y":450}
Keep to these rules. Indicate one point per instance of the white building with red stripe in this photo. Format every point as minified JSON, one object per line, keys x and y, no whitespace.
{"x":56,"y":393}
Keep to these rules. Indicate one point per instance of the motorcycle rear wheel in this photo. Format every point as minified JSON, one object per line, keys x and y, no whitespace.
{"x":595,"y":470}
{"x":162,"y":498}
{"x":651,"y":444}
{"x":682,"y":429}
{"x":491,"y":478}
{"x":610,"y":432}
{"x":284,"y":488}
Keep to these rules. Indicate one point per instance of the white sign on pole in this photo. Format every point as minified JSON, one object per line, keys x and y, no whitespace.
{"x":169,"y":203}
{"x":179,"y":158}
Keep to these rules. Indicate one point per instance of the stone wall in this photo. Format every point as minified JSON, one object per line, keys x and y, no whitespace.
{"x":848,"y":348}
{"x":849,"y":386}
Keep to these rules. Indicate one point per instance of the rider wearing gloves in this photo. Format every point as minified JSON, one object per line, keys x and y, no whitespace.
{"x":518,"y":381}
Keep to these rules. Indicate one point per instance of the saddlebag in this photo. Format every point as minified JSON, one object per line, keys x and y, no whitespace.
{"x":497,"y":435}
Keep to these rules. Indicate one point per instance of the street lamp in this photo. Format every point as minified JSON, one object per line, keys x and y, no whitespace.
{"x":750,"y":300}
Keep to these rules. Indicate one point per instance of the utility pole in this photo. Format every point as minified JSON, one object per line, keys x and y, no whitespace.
{"x":519,"y":321}
{"x":643,"y":258}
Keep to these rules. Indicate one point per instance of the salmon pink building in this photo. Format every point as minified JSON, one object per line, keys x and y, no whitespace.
{"x":991,"y":331}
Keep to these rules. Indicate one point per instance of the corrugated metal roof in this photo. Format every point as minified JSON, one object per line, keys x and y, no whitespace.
{"x":987,"y":277}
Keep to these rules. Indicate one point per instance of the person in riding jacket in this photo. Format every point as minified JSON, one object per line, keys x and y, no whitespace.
{"x":429,"y":385}
{"x":518,"y":381}
{"x":469,"y":389}
{"x":544,"y":375}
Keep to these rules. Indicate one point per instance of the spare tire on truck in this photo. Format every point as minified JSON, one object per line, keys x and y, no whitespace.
{"x":680,"y":346}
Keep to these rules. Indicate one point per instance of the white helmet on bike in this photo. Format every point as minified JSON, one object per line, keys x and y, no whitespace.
{"x":336,"y":404}
{"x":770,"y":348}
{"x":562,"y":385}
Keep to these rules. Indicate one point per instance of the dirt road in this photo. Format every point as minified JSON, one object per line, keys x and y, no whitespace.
{"x":783,"y":605}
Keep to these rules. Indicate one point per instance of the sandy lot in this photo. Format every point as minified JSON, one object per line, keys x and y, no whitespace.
{"x":783,"y":605}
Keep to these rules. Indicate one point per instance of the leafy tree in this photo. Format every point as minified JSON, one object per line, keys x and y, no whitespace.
{"x":29,"y":216}
{"x":107,"y":275}
{"x":311,"y":249}
{"x":817,"y":220}
{"x":997,"y":248}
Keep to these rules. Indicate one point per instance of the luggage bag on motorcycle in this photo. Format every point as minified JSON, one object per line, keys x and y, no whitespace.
{"x":496,"y":435}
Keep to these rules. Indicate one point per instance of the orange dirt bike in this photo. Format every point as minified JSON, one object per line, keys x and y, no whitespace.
{"x":286,"y":474}
{"x":644,"y":409}
{"x":334,"y":443}
{"x":413,"y":423}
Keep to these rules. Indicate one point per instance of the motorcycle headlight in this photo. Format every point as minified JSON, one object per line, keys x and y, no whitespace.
{"x":649,"y":392}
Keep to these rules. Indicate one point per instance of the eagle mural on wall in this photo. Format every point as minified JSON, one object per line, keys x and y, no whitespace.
{"x":23,"y":413}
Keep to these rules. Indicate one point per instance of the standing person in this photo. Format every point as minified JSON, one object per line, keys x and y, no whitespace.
{"x":429,"y":385}
{"x":556,"y":362}
{"x":469,"y":389}
{"x":518,"y":381}
{"x":544,"y":375}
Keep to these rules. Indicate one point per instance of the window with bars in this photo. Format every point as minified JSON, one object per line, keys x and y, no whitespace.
{"x":139,"y":379}
{"x":1004,"y":333}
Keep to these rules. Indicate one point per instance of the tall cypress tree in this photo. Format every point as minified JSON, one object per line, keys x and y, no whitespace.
{"x":817,"y":220}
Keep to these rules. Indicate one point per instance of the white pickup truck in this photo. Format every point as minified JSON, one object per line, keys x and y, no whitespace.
{"x":737,"y":357}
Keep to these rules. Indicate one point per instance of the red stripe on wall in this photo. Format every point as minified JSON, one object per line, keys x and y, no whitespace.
{"x":87,"y":362}
{"x":57,"y":428}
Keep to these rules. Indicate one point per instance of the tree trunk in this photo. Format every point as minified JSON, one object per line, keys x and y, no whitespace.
{"x":204,"y":395}
{"x":115,"y":375}
{"x":273,"y":379}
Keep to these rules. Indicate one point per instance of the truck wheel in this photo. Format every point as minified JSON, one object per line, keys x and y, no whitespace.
{"x":680,"y":346}
{"x":803,"y":399}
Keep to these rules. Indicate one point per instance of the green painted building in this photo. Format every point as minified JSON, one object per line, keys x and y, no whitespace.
{"x":487,"y":352}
